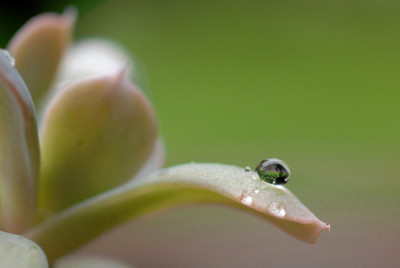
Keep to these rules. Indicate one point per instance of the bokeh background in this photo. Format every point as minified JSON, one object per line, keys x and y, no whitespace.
{"x":315,"y":83}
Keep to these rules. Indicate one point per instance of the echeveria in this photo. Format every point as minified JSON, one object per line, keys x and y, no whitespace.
{"x":96,"y":162}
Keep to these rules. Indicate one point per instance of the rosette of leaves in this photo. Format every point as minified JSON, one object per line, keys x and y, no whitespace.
{"x":92,"y":158}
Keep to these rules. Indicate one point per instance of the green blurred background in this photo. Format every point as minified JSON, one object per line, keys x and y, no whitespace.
{"x":315,"y":83}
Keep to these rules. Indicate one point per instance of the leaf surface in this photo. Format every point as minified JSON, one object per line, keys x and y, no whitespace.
{"x":38,"y":48}
{"x":96,"y":134}
{"x":19,"y":151}
{"x":19,"y":252}
{"x":176,"y":186}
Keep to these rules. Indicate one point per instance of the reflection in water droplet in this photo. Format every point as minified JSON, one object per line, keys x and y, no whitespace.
{"x":273,"y":171}
{"x":246,"y":200}
{"x":9,"y":56}
{"x":277,"y":209}
{"x":247,"y":169}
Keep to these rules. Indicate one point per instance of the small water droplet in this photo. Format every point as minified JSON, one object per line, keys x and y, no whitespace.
{"x":9,"y":56}
{"x":246,"y":199}
{"x":327,"y":227}
{"x":247,"y":169}
{"x":256,"y":191}
{"x":273,"y":171}
{"x":277,"y":209}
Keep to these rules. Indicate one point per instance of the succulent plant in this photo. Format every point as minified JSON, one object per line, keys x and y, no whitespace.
{"x":92,"y":158}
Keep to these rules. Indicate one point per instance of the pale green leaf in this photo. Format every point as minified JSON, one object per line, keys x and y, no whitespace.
{"x":90,"y":57}
{"x":176,"y":186}
{"x":38,"y":48}
{"x":19,"y":252}
{"x":89,"y":262}
{"x":19,"y":151}
{"x":96,"y":134}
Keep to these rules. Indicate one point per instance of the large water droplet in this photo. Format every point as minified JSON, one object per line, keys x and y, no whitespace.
{"x":9,"y":56}
{"x":277,"y":209}
{"x":273,"y":171}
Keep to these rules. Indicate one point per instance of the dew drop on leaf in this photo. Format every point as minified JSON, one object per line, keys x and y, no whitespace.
{"x":273,"y":171}
{"x":246,"y":200}
{"x":277,"y":209}
{"x":327,"y":227}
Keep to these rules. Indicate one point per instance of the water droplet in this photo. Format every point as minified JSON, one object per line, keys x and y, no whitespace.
{"x":273,"y":171}
{"x":327,"y":227}
{"x":256,"y":191}
{"x":246,"y":199}
{"x":247,"y":169}
{"x":277,"y":209}
{"x":9,"y":56}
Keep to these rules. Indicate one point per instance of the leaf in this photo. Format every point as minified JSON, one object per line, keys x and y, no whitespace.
{"x":38,"y":48}
{"x":19,"y":151}
{"x":154,"y":162}
{"x":96,"y":134}
{"x":94,"y":56}
{"x":89,"y":262}
{"x":19,"y":252}
{"x":172,"y":187}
